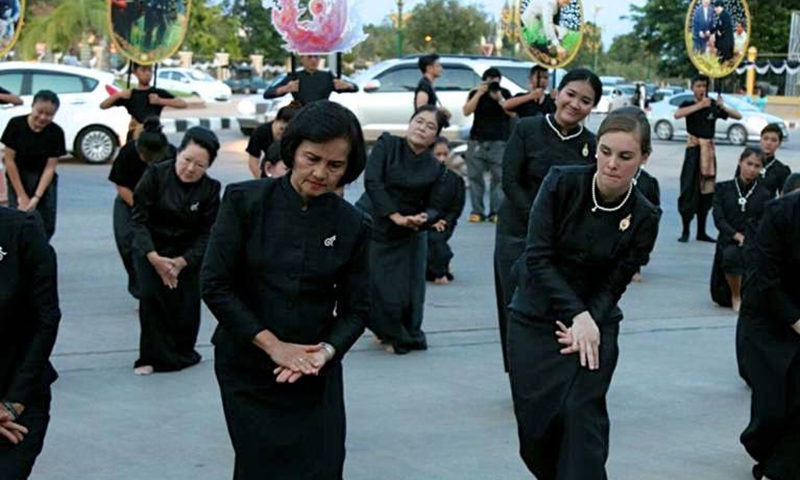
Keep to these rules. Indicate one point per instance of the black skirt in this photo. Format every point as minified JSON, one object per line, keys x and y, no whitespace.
{"x":123,"y":235}
{"x":507,"y":250}
{"x":439,"y":255}
{"x":562,"y":420}
{"x":169,"y":319}
{"x":283,"y":431}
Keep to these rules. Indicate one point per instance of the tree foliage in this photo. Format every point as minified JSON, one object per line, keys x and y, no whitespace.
{"x":61,"y":24}
{"x":259,"y":36}
{"x":212,"y":29}
{"x":452,"y":28}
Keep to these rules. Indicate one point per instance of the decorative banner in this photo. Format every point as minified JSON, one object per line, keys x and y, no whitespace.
{"x":717,"y":35}
{"x":551,"y":31}
{"x":321,"y":27}
{"x":148,"y":31}
{"x":12,"y":16}
{"x":776,"y":69}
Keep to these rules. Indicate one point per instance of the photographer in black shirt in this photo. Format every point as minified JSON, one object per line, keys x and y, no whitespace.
{"x":490,"y":130}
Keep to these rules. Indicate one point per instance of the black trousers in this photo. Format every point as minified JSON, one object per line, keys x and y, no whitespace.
{"x":155,"y":23}
{"x":691,"y":201}
{"x":169,"y":319}
{"x":562,"y":419}
{"x":439,"y":254}
{"x":16,"y":461}
{"x":123,"y":235}
{"x":47,"y":204}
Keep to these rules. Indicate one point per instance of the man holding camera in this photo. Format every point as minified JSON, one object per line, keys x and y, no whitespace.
{"x":490,"y":130}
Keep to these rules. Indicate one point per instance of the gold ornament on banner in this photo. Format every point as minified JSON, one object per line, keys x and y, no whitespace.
{"x":148,"y":31}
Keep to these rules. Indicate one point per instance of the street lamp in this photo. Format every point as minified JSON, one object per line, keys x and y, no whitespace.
{"x":399,"y":28}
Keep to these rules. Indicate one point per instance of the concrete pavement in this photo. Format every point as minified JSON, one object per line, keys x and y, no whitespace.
{"x":676,"y":403}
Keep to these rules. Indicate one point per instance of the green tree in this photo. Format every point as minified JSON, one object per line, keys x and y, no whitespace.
{"x":212,"y":29}
{"x":259,"y":36}
{"x":771,"y":24}
{"x":379,"y":45}
{"x":659,"y":25}
{"x":592,"y":44}
{"x":60,"y":24}
{"x":626,"y":48}
{"x":450,"y":27}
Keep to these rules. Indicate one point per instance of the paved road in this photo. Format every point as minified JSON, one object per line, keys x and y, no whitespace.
{"x":676,"y":403}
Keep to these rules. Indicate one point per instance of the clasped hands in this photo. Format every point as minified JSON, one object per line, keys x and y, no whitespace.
{"x":9,"y":428}
{"x":583,"y":337}
{"x":295,"y":361}
{"x":414,"y":222}
{"x":26,"y":203}
{"x":167,"y":268}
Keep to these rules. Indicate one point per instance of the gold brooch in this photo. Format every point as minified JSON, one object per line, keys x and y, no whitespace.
{"x":625,"y":223}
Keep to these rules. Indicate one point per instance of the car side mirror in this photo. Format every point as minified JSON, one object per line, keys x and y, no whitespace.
{"x":372,"y":86}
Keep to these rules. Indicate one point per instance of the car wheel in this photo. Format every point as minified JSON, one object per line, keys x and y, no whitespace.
{"x":96,"y":144}
{"x":737,"y":134}
{"x":664,"y":130}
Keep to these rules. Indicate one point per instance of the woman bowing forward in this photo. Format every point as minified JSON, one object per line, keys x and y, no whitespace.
{"x":590,"y":230}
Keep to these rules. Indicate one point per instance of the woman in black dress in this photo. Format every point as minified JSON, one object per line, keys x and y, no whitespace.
{"x":286,"y":275}
{"x":738,"y":206}
{"x":405,"y":194}
{"x":590,"y":230}
{"x":536,"y":144}
{"x":770,"y":323}
{"x":775,"y":172}
{"x":175,"y":205}
{"x":33,"y":144}
{"x":150,"y":146}
{"x":29,"y":317}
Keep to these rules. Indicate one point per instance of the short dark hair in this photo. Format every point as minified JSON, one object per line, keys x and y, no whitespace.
{"x":773,"y":128}
{"x":629,"y":120}
{"x":750,"y":151}
{"x":584,"y":75}
{"x":441,"y":139}
{"x":792,"y":183}
{"x":287,"y":113}
{"x":491,"y":72}
{"x":203,"y":138}
{"x":323,"y":121}
{"x":47,"y":96}
{"x":136,"y":66}
{"x":152,"y":143}
{"x":426,"y":61}
{"x":701,"y":78}
{"x":441,"y":119}
{"x":537,"y":69}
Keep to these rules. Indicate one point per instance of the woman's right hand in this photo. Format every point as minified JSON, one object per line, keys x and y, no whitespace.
{"x":409,"y":221}
{"x":586,"y":338}
{"x":739,"y":238}
{"x":10,"y":430}
{"x":293,"y":357}
{"x":163,"y":266}
{"x":22,"y":202}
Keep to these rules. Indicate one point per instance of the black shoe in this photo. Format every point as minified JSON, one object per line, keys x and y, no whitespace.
{"x":703,"y":237}
{"x":400,"y":349}
{"x":684,"y":238}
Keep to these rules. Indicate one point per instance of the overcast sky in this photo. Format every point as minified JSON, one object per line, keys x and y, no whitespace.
{"x":373,"y":11}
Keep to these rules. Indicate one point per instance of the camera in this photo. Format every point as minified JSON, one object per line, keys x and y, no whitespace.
{"x":494,"y":87}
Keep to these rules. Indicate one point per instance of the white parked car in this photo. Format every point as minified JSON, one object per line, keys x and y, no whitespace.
{"x":193,"y":82}
{"x":91,"y":134}
{"x":612,"y":99}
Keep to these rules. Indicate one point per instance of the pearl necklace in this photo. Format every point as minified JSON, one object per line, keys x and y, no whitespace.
{"x":597,"y":206}
{"x":558,"y":132}
{"x":636,"y":177}
{"x":743,"y":198}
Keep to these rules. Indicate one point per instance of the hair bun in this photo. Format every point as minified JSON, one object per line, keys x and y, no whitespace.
{"x":152,"y":124}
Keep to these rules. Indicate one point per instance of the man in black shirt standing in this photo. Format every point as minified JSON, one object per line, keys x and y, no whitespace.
{"x":431,"y":69}
{"x":699,"y":170}
{"x":487,"y":144}
{"x":536,"y":101}
{"x":310,"y":84}
{"x":144,"y":101}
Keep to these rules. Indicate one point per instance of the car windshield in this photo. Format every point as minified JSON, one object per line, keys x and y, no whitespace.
{"x":627,"y":89}
{"x":200,"y":76}
{"x":740,"y":104}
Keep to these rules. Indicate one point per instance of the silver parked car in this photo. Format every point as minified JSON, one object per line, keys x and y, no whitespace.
{"x":385,"y":100}
{"x":738,"y":132}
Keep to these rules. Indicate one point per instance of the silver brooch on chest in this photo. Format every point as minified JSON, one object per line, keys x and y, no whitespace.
{"x":194,"y":207}
{"x":328,"y":242}
{"x":625,"y":223}
{"x":2,"y":254}
{"x":585,"y":151}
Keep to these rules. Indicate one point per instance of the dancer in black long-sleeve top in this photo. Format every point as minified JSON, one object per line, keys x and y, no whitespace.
{"x":175,"y":205}
{"x":29,"y":317}
{"x":775,"y":172}
{"x":535,"y":145}
{"x":439,"y":252}
{"x":590,"y":230}
{"x":286,"y":275}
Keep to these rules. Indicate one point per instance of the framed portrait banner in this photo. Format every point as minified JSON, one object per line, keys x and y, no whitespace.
{"x":717,"y":35}
{"x":12,"y":16}
{"x":551,"y":31}
{"x":317,"y":27}
{"x":148,"y":31}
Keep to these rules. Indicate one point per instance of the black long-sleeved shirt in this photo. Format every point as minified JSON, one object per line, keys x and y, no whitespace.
{"x":172,"y":217}
{"x":273,"y":264}
{"x":397,"y":180}
{"x":648,"y":185}
{"x":577,"y":260}
{"x":771,"y":290}
{"x":455,"y":192}
{"x":313,"y":86}
{"x":774,"y":175}
{"x":728,"y":215}
{"x":532,"y":149}
{"x":29,"y":312}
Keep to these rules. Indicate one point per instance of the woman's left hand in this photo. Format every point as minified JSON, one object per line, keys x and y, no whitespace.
{"x":317,"y":356}
{"x":174,"y":272}
{"x":586,"y":339}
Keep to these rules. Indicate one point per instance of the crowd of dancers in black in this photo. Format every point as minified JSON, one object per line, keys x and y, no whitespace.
{"x":294,"y":274}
